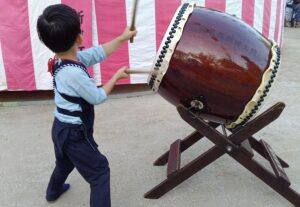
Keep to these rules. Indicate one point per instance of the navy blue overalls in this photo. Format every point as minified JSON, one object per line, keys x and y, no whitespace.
{"x":75,"y":147}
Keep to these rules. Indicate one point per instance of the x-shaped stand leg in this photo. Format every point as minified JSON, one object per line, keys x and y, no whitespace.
{"x":232,"y":146}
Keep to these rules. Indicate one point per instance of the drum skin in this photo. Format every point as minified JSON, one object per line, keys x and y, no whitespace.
{"x":220,"y":61}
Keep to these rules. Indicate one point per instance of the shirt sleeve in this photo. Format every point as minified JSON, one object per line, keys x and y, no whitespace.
{"x":86,"y":87}
{"x":92,"y":55}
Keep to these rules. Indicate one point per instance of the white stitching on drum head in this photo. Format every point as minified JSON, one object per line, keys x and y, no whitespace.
{"x":166,"y":50}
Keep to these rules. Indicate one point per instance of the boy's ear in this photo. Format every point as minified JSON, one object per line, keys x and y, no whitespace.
{"x":79,"y":40}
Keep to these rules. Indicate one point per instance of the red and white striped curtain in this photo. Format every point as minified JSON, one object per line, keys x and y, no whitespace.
{"x":23,"y":59}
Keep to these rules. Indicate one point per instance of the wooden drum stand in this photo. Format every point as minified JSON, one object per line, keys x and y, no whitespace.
{"x":239,"y":145}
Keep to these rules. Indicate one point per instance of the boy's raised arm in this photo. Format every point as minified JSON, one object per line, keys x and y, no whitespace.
{"x":112,"y":46}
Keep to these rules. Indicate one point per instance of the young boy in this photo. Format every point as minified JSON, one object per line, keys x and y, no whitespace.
{"x":75,"y":96}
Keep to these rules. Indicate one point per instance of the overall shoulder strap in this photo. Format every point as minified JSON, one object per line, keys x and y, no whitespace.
{"x":60,"y":65}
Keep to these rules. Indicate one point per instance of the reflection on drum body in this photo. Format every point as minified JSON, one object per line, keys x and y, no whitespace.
{"x":215,"y":64}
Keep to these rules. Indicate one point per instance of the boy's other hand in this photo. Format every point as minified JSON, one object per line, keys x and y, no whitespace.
{"x":122,"y":73}
{"x":111,"y":46}
{"x":127,"y":34}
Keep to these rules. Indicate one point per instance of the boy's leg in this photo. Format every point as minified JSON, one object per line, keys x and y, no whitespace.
{"x":63,"y":166}
{"x":93,"y":166}
{"x":60,"y":173}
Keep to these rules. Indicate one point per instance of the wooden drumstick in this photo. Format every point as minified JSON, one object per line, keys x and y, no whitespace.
{"x":138,"y":71}
{"x":142,"y":71}
{"x":132,"y":26}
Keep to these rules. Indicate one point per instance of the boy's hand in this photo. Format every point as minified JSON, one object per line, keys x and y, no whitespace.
{"x":127,"y":34}
{"x":122,"y":73}
{"x":112,"y":46}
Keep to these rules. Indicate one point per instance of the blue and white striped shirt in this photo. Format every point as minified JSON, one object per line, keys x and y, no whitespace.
{"x":73,"y":81}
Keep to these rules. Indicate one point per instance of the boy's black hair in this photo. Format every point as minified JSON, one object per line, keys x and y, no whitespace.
{"x":58,"y":27}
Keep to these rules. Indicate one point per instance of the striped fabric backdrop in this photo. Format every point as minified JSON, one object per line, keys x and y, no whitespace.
{"x":23,"y":59}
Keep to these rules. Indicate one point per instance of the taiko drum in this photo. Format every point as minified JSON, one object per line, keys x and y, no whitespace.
{"x":215,"y":64}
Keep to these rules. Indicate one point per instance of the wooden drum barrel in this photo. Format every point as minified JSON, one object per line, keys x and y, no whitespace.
{"x":214,"y":64}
